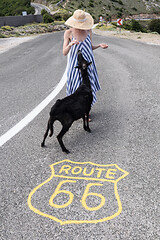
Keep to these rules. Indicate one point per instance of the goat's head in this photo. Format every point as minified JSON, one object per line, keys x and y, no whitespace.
{"x":82,"y":63}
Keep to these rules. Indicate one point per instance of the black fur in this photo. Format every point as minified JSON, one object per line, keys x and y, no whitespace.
{"x":73,"y":107}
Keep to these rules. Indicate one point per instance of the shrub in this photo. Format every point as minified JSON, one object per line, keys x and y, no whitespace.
{"x":126,"y":25}
{"x":47,"y":18}
{"x":91,"y":5}
{"x":154,"y":25}
{"x":120,"y":2}
{"x":8,"y":28}
{"x":136,"y":26}
{"x":3,"y":35}
{"x":134,"y":9}
{"x":43,"y":11}
{"x":119,"y":14}
{"x":58,"y":17}
{"x":66,"y":16}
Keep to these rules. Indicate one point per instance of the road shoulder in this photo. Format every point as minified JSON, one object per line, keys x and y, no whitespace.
{"x":149,"y":38}
{"x":8,"y":43}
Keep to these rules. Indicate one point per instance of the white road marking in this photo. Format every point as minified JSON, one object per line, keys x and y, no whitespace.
{"x":26,"y":120}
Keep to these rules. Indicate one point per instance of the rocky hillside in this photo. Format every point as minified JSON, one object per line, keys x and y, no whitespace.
{"x":108,"y":8}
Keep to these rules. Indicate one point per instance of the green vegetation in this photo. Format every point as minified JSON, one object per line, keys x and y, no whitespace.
{"x":30,"y":29}
{"x":15,"y":7}
{"x":47,"y":18}
{"x":154,"y":25}
{"x":134,"y":26}
{"x":141,"y":26}
{"x":61,"y":15}
{"x":8,"y":28}
{"x":106,"y":27}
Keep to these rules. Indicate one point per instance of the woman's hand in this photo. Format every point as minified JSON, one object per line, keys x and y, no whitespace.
{"x":103,"y":45}
{"x":73,"y":43}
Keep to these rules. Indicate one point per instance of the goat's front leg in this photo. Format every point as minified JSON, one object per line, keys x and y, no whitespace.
{"x":86,"y":119}
{"x":65,"y":128}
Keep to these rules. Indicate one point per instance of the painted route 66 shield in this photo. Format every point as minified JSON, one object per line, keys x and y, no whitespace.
{"x":78,"y":192}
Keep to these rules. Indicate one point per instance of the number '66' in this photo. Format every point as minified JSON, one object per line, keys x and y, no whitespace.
{"x":71,"y":196}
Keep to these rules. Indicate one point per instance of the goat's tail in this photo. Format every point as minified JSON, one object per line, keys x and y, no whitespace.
{"x":49,"y":127}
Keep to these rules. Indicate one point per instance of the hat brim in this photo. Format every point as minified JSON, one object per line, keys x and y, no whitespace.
{"x":85,"y":25}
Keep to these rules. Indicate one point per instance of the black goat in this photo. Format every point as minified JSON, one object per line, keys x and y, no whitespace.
{"x":73,"y":107}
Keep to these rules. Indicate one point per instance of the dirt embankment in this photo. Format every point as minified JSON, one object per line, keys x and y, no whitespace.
{"x":149,"y":38}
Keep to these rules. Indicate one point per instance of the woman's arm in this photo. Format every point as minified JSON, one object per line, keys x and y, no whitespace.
{"x":102,"y":45}
{"x":67,"y":43}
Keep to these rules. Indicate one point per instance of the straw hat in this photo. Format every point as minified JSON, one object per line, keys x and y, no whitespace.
{"x":80,"y":20}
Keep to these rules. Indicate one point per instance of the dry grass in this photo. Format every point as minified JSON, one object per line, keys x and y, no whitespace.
{"x":150,"y":38}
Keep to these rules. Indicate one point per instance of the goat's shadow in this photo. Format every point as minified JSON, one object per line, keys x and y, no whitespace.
{"x":103,"y":127}
{"x":77,"y":138}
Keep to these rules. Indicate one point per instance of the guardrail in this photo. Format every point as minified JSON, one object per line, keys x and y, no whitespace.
{"x":16,"y":21}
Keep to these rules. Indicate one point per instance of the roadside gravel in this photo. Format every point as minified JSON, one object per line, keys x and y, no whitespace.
{"x":7,"y":43}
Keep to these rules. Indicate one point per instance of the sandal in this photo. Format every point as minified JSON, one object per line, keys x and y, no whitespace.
{"x":90,"y":120}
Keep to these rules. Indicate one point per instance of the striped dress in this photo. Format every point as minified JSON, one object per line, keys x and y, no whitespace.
{"x":74,"y":77}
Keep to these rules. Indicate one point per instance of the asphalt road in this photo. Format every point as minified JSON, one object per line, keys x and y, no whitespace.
{"x":39,"y":7}
{"x":109,"y":189}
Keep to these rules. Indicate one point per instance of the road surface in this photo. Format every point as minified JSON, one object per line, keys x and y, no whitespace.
{"x":107,"y":187}
{"x":38,"y":8}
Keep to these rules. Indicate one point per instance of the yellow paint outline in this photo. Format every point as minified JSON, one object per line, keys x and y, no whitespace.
{"x":79,"y":221}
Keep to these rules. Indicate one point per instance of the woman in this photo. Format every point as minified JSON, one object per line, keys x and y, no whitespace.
{"x":79,"y":36}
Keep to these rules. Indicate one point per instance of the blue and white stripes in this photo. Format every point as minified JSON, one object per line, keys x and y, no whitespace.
{"x":74,"y":77}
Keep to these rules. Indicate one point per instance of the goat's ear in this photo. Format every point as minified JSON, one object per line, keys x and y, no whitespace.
{"x":77,"y":66}
{"x":89,"y":63}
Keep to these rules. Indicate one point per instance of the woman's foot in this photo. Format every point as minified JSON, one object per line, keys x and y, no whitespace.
{"x":90,"y":120}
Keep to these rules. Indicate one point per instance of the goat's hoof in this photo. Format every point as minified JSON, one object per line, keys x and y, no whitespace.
{"x":87,"y":129}
{"x":42,"y":144}
{"x":66,"y":151}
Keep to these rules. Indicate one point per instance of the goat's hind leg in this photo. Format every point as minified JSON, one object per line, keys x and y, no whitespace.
{"x":86,"y":119}
{"x":65,"y":128}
